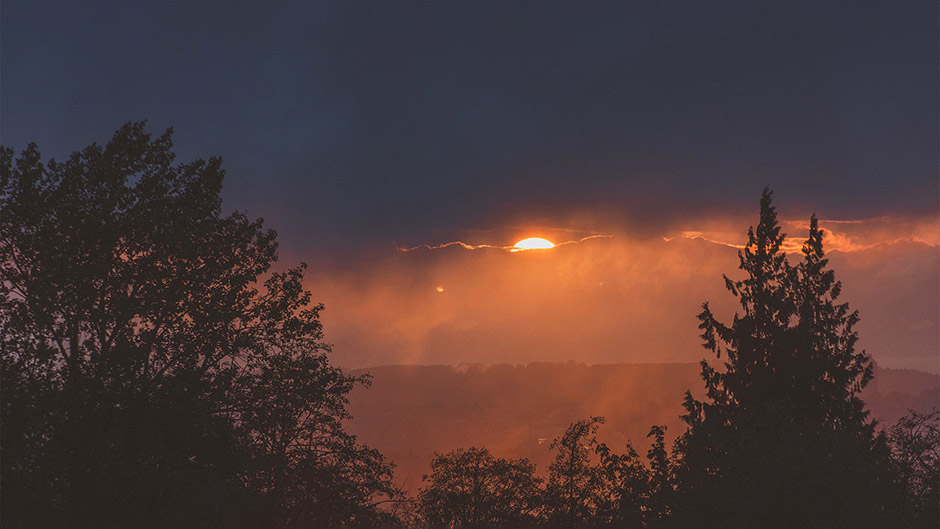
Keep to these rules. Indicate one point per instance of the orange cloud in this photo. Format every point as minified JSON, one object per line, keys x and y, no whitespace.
{"x":508,"y":247}
{"x":618,"y":299}
{"x":838,"y":235}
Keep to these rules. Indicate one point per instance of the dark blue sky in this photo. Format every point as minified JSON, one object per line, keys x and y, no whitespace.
{"x":375,"y":122}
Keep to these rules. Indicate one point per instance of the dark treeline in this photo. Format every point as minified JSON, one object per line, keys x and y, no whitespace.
{"x":158,"y":371}
{"x":589,"y":485}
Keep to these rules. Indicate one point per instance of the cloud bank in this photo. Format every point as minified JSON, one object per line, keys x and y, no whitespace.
{"x":627,"y":298}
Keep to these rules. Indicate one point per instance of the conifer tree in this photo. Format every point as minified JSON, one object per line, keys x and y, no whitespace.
{"x":782,"y":438}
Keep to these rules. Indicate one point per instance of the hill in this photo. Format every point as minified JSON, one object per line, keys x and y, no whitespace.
{"x":411,"y":412}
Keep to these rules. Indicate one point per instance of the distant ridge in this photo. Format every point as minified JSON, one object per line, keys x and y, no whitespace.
{"x":413,"y":411}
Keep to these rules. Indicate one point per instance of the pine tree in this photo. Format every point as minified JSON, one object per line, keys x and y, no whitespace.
{"x":782,"y":438}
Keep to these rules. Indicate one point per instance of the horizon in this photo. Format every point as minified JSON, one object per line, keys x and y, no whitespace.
{"x":468,"y":365}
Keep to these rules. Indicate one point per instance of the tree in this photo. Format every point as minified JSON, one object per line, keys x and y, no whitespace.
{"x":305,"y":468}
{"x":915,"y":443}
{"x":590,"y":485}
{"x":626,"y":482}
{"x":782,"y":438}
{"x":151,"y":375}
{"x":633,"y":494}
{"x":470,"y":488}
{"x":574,"y":490}
{"x":659,"y":496}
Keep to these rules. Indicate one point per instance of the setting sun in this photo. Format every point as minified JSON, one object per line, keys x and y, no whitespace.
{"x":533,"y":243}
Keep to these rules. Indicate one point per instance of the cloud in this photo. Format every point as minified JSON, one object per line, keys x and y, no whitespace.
{"x":838,"y":235}
{"x":620,"y":299}
{"x":508,"y":248}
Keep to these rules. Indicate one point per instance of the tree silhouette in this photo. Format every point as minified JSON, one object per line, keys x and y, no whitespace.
{"x":782,"y":439}
{"x":659,"y":497}
{"x":150,"y":377}
{"x":915,"y":440}
{"x":472,"y":489}
{"x":633,"y":494}
{"x":626,"y":482}
{"x":575,"y":487}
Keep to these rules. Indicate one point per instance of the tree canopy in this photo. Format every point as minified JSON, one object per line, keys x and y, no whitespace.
{"x":915,"y":441}
{"x":471,"y":488}
{"x":782,"y":438}
{"x":156,"y":370}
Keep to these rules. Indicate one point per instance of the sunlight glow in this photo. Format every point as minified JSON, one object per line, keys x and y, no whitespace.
{"x":533,"y":243}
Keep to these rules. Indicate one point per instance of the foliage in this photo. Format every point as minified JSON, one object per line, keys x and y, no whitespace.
{"x":150,"y":377}
{"x":915,"y":440}
{"x":590,"y":485}
{"x":634,"y":493}
{"x":626,"y":482}
{"x":471,"y":488}
{"x":574,"y":490}
{"x":782,"y":438}
{"x":659,"y":497}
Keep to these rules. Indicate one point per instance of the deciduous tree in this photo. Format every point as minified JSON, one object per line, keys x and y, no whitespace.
{"x":575,"y":487}
{"x":472,"y":489}
{"x":915,"y":443}
{"x":151,"y":375}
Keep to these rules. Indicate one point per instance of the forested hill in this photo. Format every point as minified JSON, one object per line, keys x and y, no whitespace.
{"x":411,"y":412}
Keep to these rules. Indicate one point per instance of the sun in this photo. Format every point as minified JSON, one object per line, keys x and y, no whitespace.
{"x":532,"y":243}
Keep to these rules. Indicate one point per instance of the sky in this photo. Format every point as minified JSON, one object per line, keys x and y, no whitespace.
{"x":358,"y":129}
